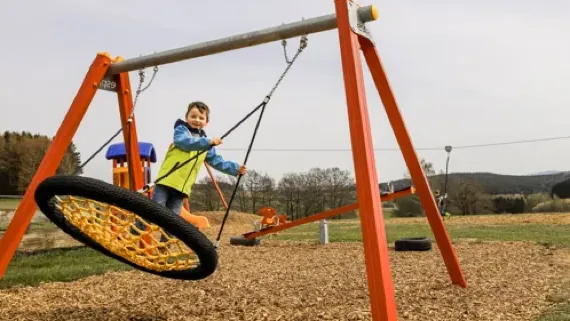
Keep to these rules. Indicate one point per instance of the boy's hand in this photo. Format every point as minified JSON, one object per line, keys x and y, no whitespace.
{"x":242,"y":170}
{"x":216,"y":141}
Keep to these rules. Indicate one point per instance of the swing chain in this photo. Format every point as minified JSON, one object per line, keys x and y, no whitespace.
{"x":179,"y":165}
{"x":129,"y":121}
{"x":302,"y":45}
{"x":140,"y":90}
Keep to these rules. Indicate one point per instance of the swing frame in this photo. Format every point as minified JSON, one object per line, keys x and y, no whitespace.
{"x":112,"y":74}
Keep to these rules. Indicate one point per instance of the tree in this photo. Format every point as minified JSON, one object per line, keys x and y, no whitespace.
{"x":468,"y":198}
{"x":20,"y":156}
{"x":427,"y":168}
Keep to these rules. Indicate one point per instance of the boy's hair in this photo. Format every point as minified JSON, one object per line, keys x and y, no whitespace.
{"x":201,"y":107}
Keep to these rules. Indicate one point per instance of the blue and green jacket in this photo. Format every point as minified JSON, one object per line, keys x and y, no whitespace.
{"x":187,"y":143}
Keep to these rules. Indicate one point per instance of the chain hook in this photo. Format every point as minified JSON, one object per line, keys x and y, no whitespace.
{"x":303,"y":42}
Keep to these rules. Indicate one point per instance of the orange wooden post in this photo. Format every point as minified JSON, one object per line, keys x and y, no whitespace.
{"x":216,"y":186}
{"x":381,"y":289}
{"x":125,"y":97}
{"x":413,"y":163}
{"x":52,"y":158}
{"x":129,"y":132}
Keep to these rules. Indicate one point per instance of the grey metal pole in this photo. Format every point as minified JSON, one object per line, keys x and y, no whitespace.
{"x":285,"y":31}
{"x":323,"y":232}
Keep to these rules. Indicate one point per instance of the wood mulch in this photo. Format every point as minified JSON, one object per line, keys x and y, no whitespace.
{"x":304,"y":281}
{"x":283,"y":280}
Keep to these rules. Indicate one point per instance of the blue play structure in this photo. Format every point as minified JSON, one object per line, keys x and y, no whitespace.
{"x":118,"y":154}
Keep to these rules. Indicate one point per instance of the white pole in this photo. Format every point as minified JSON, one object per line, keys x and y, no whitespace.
{"x":323,"y":232}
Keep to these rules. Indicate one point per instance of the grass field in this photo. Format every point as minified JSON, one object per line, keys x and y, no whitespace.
{"x":546,"y":229}
{"x":461,"y":228}
{"x":8,"y":203}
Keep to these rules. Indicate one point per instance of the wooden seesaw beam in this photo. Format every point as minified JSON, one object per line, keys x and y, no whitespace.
{"x":317,"y":217}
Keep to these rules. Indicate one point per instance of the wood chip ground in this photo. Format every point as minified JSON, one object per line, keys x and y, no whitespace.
{"x":283,"y":280}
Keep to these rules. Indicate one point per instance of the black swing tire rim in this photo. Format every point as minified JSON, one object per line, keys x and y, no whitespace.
{"x":98,"y":190}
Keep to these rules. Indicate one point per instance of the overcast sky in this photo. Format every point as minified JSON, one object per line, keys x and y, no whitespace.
{"x":463,"y":72}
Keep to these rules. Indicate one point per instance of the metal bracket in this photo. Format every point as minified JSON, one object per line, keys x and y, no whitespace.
{"x":357,"y":24}
{"x":109,"y":83}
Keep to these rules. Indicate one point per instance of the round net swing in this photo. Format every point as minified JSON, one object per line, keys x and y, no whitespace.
{"x":128,"y":226}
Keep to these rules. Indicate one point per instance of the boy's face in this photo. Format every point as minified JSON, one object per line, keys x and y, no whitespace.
{"x":196,"y":118}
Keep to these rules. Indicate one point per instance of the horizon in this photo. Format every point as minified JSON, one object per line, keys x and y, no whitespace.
{"x":463,"y":73}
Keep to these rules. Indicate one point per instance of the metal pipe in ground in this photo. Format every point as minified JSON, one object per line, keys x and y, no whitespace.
{"x":323,"y":232}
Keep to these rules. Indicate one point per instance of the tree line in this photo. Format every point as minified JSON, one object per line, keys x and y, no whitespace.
{"x":486,"y":193}
{"x":20,"y":157}
{"x":301,"y":194}
{"x":298,"y":194}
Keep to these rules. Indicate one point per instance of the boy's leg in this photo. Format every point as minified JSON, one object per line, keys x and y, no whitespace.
{"x":174,"y":203}
{"x":160,"y":196}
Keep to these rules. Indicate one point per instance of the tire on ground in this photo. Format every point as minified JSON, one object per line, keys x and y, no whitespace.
{"x":413,"y":244}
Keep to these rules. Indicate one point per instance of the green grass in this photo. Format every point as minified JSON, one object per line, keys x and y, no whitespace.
{"x":57,"y":265}
{"x":558,"y":235}
{"x":9,"y":203}
{"x":35,"y":226}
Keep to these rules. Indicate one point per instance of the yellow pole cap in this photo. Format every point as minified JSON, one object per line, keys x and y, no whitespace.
{"x":374,"y":11}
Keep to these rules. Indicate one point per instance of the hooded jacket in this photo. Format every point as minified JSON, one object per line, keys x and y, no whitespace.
{"x":187,"y":143}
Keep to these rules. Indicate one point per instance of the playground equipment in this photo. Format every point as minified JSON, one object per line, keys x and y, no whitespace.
{"x":118,"y":154}
{"x":83,"y":194}
{"x":273,"y":228}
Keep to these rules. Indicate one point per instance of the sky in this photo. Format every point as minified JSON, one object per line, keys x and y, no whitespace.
{"x":463,"y":72}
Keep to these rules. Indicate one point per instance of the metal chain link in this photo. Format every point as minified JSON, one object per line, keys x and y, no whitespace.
{"x":139,"y":90}
{"x":129,"y":121}
{"x":302,"y":45}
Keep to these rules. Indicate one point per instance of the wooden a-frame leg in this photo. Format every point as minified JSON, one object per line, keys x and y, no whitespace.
{"x":52,"y":159}
{"x":382,"y":300}
{"x":413,"y":163}
{"x":125,"y":98}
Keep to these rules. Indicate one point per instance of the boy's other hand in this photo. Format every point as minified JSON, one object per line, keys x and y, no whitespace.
{"x":242,"y":170}
{"x":216,"y":141}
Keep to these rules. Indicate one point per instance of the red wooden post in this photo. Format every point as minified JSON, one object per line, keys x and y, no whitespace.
{"x":52,"y":158}
{"x":381,"y":289}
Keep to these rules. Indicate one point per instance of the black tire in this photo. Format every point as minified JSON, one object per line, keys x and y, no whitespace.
{"x":240,"y":240}
{"x":413,"y":244}
{"x":150,"y":211}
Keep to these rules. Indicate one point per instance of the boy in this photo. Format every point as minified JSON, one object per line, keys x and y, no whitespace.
{"x":189,"y":139}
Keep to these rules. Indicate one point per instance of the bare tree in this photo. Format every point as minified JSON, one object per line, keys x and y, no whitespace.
{"x":267,"y":190}
{"x":469,"y":198}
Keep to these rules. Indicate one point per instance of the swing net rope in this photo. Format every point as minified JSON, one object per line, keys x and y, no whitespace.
{"x":115,"y":229}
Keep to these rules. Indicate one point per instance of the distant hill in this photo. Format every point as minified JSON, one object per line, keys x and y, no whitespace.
{"x":497,"y":183}
{"x":546,"y":173}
